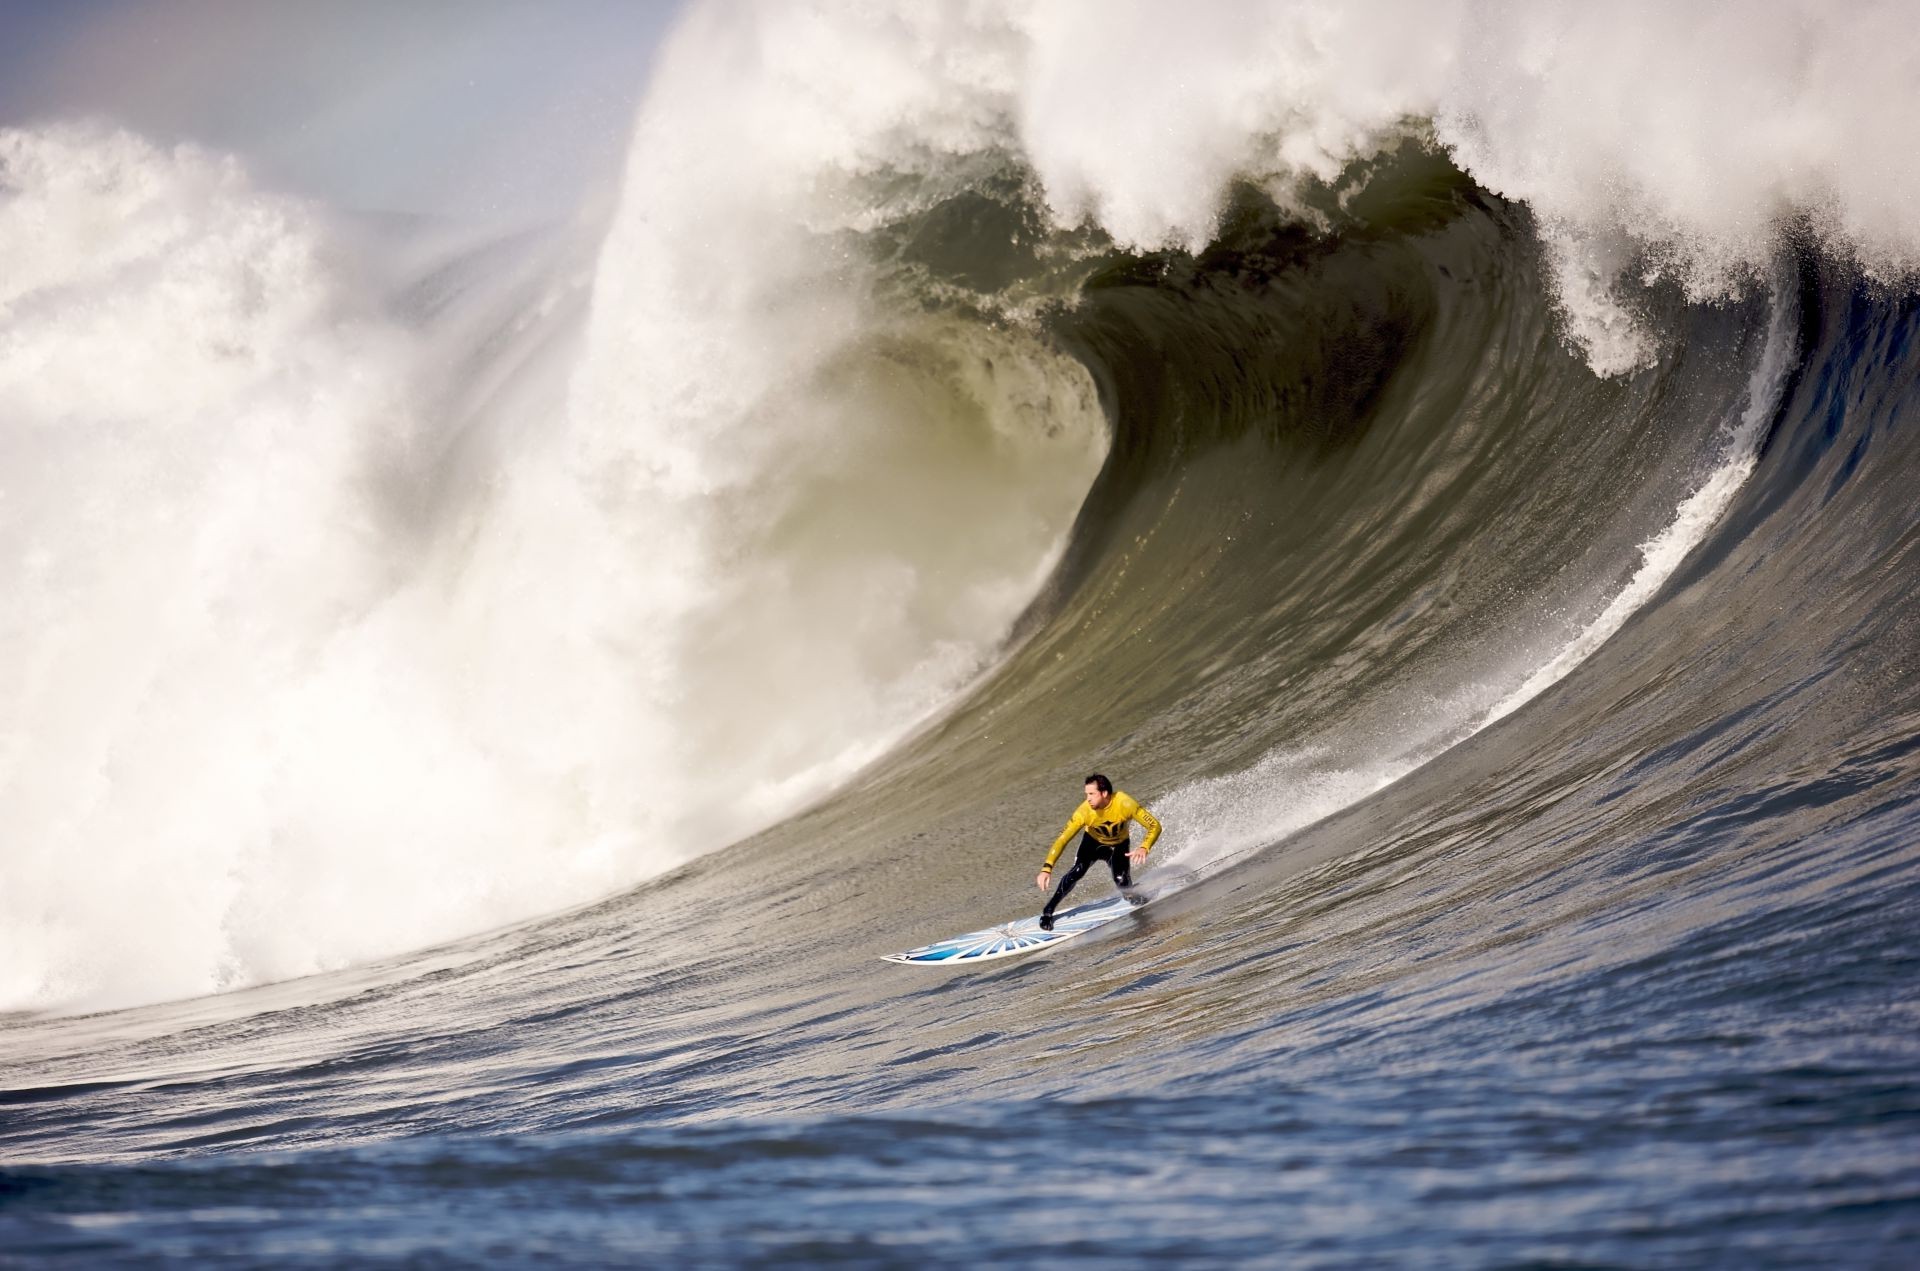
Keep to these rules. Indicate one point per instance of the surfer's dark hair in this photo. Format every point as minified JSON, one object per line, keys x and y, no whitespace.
{"x":1099,"y":779}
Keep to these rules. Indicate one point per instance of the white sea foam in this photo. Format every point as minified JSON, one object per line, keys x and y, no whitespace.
{"x":277,"y":699}
{"x":1649,"y":139}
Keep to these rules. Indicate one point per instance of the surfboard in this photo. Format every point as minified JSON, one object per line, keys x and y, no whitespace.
{"x":1012,"y":938}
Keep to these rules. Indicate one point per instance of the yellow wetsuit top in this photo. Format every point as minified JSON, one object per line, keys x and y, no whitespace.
{"x":1108,"y":826}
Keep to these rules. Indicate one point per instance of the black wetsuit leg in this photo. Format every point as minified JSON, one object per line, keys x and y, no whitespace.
{"x":1083,"y":860}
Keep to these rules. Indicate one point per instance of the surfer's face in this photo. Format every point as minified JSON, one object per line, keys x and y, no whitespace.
{"x":1096,"y":797}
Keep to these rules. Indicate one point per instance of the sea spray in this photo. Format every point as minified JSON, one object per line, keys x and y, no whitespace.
{"x":316,"y":654}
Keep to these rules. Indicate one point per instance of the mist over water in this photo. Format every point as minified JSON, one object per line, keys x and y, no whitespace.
{"x":499,"y":683}
{"x":330,"y":659}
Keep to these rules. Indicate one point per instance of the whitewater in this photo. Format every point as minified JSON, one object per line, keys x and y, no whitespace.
{"x":478,"y":698}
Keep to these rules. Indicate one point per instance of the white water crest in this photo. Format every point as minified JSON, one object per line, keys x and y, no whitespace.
{"x":1649,"y":139}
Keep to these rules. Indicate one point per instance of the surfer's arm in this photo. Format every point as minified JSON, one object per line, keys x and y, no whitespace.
{"x":1152,"y":823}
{"x":1060,"y":844}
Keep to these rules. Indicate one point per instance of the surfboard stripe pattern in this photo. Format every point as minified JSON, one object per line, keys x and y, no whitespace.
{"x":1013,"y":937}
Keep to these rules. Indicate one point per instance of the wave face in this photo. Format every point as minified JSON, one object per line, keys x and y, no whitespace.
{"x":1483,"y":536}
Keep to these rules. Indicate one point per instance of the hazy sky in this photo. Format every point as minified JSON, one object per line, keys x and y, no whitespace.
{"x":501,"y":108}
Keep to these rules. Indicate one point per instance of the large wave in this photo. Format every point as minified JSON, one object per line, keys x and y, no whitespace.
{"x":331,"y":637}
{"x":357,"y":611}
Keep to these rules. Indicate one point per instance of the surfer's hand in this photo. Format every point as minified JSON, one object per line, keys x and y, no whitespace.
{"x":1046,"y":876}
{"x":1138,"y":856}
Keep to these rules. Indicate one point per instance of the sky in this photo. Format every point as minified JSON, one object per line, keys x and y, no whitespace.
{"x":495,"y":109}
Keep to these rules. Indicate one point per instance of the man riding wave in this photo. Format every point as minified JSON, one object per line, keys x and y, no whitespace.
{"x":1104,"y":822}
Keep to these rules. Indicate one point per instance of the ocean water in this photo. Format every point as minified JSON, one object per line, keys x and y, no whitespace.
{"x":478,"y":705}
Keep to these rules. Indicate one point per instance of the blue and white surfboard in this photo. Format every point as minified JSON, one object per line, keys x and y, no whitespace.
{"x":1023,"y":936}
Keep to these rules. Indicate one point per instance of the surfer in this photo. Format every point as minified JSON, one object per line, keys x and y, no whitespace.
{"x":1103,"y":822}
